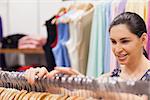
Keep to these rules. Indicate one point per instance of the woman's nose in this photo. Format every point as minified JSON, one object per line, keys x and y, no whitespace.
{"x":118,"y":48}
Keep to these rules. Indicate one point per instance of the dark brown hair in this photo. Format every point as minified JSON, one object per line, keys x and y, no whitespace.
{"x":134,"y":23}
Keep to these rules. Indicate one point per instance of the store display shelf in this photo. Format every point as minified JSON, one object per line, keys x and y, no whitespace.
{"x":25,"y":51}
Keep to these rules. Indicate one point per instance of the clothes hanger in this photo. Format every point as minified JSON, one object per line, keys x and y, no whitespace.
{"x":13,"y":95}
{"x":61,"y":11}
{"x":19,"y":94}
{"x":73,"y":83}
{"x":22,"y":95}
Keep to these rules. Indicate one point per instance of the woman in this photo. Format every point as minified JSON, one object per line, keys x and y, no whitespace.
{"x":128,"y":38}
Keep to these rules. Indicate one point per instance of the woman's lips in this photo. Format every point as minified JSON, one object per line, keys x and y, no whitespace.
{"x":122,"y":57}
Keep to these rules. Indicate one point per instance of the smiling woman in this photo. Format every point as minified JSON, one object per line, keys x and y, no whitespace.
{"x":125,"y":44}
{"x":128,"y":38}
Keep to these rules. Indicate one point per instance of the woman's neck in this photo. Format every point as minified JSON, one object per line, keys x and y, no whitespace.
{"x":136,"y":69}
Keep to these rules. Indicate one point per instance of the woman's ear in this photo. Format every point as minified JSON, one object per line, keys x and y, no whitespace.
{"x":144,"y":39}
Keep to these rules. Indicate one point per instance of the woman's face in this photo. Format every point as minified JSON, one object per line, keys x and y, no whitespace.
{"x":126,"y":46}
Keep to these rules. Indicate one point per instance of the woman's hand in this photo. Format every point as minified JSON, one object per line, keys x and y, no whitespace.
{"x":66,"y":70}
{"x":33,"y":73}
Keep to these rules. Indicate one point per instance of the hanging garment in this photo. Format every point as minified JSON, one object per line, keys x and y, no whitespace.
{"x":50,"y":60}
{"x":121,"y":6}
{"x":2,"y":57}
{"x":137,"y":7}
{"x":107,"y":38}
{"x":78,"y":44}
{"x":51,"y":42}
{"x":146,"y":11}
{"x":71,"y":16}
{"x":75,"y":11}
{"x":96,"y":50}
{"x":60,"y":51}
{"x":114,"y":8}
{"x":51,"y":32}
{"x":1,"y":29}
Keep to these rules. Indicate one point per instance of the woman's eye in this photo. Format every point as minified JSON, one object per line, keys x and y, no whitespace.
{"x":125,"y":41}
{"x":113,"y":42}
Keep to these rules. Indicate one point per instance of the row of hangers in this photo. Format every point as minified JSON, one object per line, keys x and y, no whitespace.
{"x":76,"y":7}
{"x":88,"y":87}
{"x":13,"y":94}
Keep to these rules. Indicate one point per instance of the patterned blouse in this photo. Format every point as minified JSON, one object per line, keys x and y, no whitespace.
{"x":116,"y":73}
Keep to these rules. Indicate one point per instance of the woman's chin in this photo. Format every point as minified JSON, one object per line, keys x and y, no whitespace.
{"x":122,"y":62}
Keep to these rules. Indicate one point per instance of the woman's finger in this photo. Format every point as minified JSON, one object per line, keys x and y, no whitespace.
{"x":42,"y":72}
{"x":52,"y":73}
{"x":67,"y":70}
{"x":27,"y":73}
{"x":31,"y":74}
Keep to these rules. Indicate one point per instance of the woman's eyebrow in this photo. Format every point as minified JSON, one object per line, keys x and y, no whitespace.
{"x":125,"y":38}
{"x":111,"y":39}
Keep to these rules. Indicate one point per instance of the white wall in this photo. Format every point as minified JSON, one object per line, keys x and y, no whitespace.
{"x":23,"y":16}
{"x":28,"y":16}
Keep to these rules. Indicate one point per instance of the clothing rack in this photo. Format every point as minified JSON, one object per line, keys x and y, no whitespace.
{"x":70,"y":84}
